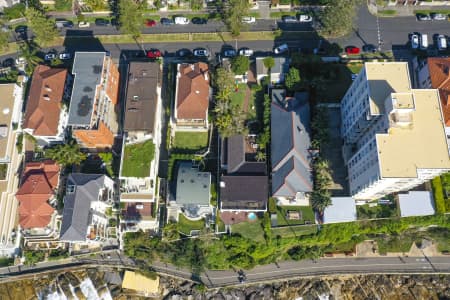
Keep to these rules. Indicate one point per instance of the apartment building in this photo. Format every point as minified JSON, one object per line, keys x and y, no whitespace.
{"x":394,"y":136}
{"x":92,"y":111}
{"x":141,"y":142}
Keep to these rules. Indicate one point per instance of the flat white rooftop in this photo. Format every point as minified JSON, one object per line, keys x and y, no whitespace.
{"x":342,"y":209}
{"x":416,"y":203}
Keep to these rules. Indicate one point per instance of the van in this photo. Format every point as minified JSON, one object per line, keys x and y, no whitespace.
{"x":423,"y":41}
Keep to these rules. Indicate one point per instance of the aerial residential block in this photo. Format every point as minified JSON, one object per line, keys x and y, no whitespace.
{"x":92,"y":111}
{"x":394,"y":136}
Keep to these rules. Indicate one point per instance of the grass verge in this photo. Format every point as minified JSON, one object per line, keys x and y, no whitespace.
{"x":137,"y":159}
{"x":387,"y":13}
{"x":191,"y":140}
{"x":249,"y":230}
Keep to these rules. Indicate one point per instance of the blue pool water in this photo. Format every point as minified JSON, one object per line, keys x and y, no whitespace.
{"x":251,"y":216}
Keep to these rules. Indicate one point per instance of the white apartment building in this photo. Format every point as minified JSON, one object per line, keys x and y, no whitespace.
{"x":394,"y":136}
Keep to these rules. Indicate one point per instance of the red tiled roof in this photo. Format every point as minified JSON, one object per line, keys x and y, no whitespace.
{"x":44,"y":102}
{"x":34,"y":214}
{"x":439,"y":69}
{"x":193,"y":91}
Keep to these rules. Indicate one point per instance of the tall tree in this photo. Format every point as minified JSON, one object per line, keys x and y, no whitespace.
{"x":43,"y":28}
{"x":240,"y":64}
{"x":29,"y":52}
{"x":269,"y":62}
{"x":292,"y":79}
{"x":337,"y":19}
{"x":4,"y":38}
{"x":67,"y":154}
{"x":234,"y":13}
{"x":131,"y":17}
{"x":224,"y":80}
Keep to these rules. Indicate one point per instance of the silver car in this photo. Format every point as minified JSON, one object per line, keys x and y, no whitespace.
{"x":201,"y":52}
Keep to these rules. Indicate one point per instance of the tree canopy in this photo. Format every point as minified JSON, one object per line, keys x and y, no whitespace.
{"x":240,"y":64}
{"x":269,"y":62}
{"x":292,"y":79}
{"x":66,"y":154}
{"x":29,"y":52}
{"x":131,"y":17}
{"x":43,"y":28}
{"x":337,"y":19}
{"x":234,"y":12}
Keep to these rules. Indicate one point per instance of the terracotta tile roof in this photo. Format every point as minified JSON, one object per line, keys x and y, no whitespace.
{"x":100,"y":138}
{"x":193,"y":91}
{"x":34,"y":214}
{"x":48,"y":167}
{"x":44,"y":102}
{"x":439,"y":69}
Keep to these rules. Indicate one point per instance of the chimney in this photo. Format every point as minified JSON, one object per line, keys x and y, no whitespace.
{"x":205,"y":75}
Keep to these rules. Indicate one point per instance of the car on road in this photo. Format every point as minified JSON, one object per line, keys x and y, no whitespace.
{"x":369,"y":48}
{"x":60,"y":23}
{"x":21,"y":29}
{"x":201,"y":52}
{"x":49,"y":56}
{"x":154,"y":53}
{"x":289,"y":19}
{"x":150,"y":23}
{"x":414,"y":41}
{"x":65,"y":56}
{"x":184,"y":52}
{"x":352,"y":50}
{"x":101,"y":22}
{"x":245,"y":51}
{"x":166,"y":21}
{"x":281,"y":49}
{"x":423,"y":41}
{"x":248,"y":20}
{"x":304,"y":18}
{"x":441,"y":42}
{"x":229,"y":52}
{"x":199,"y":21}
{"x":84,"y":24}
{"x":423,"y":17}
{"x":181,"y":20}
{"x":438,"y":17}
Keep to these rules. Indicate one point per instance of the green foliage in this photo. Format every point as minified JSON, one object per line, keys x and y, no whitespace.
{"x":6,"y":261}
{"x":19,"y":142}
{"x":137,"y":159}
{"x":235,"y":10}
{"x":33,"y":256}
{"x":186,"y":226}
{"x":112,"y":222}
{"x":67,"y":154}
{"x":4,"y":40}
{"x":29,"y":53}
{"x":63,"y":5}
{"x":321,"y":196}
{"x":272,"y":207}
{"x":56,"y":62}
{"x":43,"y":28}
{"x":319,"y":126}
{"x":59,"y":253}
{"x":264,"y":136}
{"x":190,"y":140}
{"x":240,"y":64}
{"x":196,"y":4}
{"x":337,"y":19}
{"x":292,"y":79}
{"x":3,"y":170}
{"x":96,"y":5}
{"x":224,"y":82}
{"x":10,"y":77}
{"x":301,"y":252}
{"x":438,"y":194}
{"x":131,"y":17}
{"x":14,"y":12}
{"x":269,"y":62}
{"x":107,"y":157}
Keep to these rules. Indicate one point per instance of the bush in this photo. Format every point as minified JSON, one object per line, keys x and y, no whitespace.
{"x":438,"y":194}
{"x":272,"y":205}
{"x":15,"y":11}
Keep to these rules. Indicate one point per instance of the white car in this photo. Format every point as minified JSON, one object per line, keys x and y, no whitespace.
{"x":414,"y":41}
{"x":281,"y":49}
{"x":304,"y":18}
{"x":442,"y":42}
{"x":84,"y":24}
{"x":65,"y":56}
{"x":201,"y":52}
{"x":248,"y":20}
{"x":20,"y":61}
{"x":245,"y":52}
{"x":181,"y":20}
{"x":49,"y":56}
{"x":438,"y":17}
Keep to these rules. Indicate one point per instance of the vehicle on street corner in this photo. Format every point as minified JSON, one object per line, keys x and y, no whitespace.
{"x":65,"y":56}
{"x":150,"y":23}
{"x":441,"y":42}
{"x":184,"y":52}
{"x":101,"y":22}
{"x":154,"y":53}
{"x":289,"y":19}
{"x":245,"y":52}
{"x":438,"y":17}
{"x":84,"y":24}
{"x":166,"y":21}
{"x":181,"y":20}
{"x":248,"y":20}
{"x":414,"y":41}
{"x":201,"y":52}
{"x":352,"y":50}
{"x":199,"y":21}
{"x":304,"y":18}
{"x":229,"y":52}
{"x":281,"y":49}
{"x":424,"y":41}
{"x":49,"y":56}
{"x":369,"y":48}
{"x":423,"y":17}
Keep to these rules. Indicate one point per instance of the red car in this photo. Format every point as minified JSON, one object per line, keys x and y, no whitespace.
{"x":150,"y":23}
{"x":153,"y":53}
{"x":352,"y":50}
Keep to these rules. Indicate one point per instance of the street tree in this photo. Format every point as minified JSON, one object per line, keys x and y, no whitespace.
{"x":67,"y":154}
{"x":29,"y":52}
{"x":234,"y":13}
{"x":131,"y":17}
{"x":337,"y":19}
{"x":240,"y":64}
{"x":292,"y":79}
{"x":43,"y":28}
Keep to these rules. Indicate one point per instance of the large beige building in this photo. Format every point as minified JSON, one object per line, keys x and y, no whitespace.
{"x":394,"y":136}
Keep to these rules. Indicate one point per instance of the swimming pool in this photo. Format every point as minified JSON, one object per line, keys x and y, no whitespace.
{"x":251,"y":216}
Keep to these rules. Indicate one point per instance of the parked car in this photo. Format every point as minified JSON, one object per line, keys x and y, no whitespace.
{"x":281,"y":49}
{"x":49,"y":56}
{"x":181,"y":20}
{"x":229,"y":52}
{"x":438,"y":17}
{"x":150,"y":23}
{"x":414,"y":41}
{"x":20,"y":60}
{"x":369,"y":48}
{"x":245,"y":51}
{"x":199,"y":21}
{"x":304,"y":18}
{"x":352,"y":50}
{"x":84,"y":24}
{"x":166,"y":21}
{"x":201,"y":52}
{"x":21,"y":29}
{"x":423,"y":17}
{"x":9,"y":62}
{"x":153,"y":53}
{"x":248,"y":20}
{"x":441,"y":42}
{"x":423,"y":41}
{"x":184,"y":52}
{"x":289,"y":19}
{"x":101,"y":22}
{"x":65,"y":56}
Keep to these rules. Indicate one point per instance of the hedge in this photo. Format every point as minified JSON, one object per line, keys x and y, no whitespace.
{"x":438,"y":193}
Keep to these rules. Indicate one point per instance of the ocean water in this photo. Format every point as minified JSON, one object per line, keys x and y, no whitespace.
{"x":87,"y":288}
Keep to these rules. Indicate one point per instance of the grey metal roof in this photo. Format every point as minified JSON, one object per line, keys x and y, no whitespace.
{"x":193,"y":186}
{"x":281,"y":65}
{"x":342,"y":209}
{"x":87,"y":70}
{"x":243,"y":192}
{"x":142,"y":96}
{"x":416,"y":203}
{"x":290,"y":144}
{"x":77,"y":205}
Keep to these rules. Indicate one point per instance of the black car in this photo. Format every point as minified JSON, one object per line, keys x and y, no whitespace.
{"x":166,"y":21}
{"x":184,"y":52}
{"x":101,"y":22}
{"x":423,"y":17}
{"x":8,"y":63}
{"x":21,"y":29}
{"x":369,"y":48}
{"x":199,"y":21}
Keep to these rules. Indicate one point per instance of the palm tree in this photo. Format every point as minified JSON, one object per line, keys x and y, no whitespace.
{"x":29,"y":53}
{"x":260,"y":156}
{"x":320,"y":199}
{"x":66,"y":154}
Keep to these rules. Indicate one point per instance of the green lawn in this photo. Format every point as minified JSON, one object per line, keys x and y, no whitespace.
{"x":379,"y":211}
{"x":250,"y":230}
{"x":185,"y":226}
{"x":294,"y":231}
{"x":137,"y":159}
{"x":335,"y":88}
{"x":387,"y":13}
{"x":306,"y":212}
{"x":441,"y":191}
{"x":190,"y":140}
{"x":238,"y":97}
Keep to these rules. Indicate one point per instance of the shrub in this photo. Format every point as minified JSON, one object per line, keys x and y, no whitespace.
{"x":438,"y":194}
